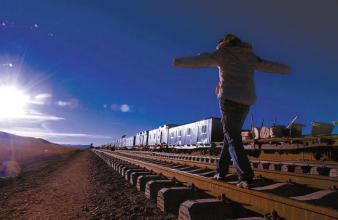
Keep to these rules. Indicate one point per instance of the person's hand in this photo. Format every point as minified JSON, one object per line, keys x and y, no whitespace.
{"x":217,"y":89}
{"x":175,"y":62}
{"x":203,"y":54}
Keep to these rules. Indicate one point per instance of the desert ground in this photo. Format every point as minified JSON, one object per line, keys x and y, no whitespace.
{"x":77,"y":185}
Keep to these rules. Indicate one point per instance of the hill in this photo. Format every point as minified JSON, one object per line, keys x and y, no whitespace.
{"x":19,"y":153}
{"x":79,"y":146}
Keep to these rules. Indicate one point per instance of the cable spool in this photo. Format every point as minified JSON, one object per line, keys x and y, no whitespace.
{"x":246,"y":135}
{"x":256,"y":132}
{"x":265,"y":132}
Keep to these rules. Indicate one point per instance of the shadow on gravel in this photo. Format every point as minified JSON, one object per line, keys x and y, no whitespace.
{"x":117,"y":199}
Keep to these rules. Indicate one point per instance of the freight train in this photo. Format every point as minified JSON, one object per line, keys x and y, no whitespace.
{"x":197,"y":133}
{"x":205,"y":132}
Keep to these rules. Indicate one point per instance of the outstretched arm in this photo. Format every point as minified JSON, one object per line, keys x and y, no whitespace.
{"x":271,"y":67}
{"x":202,"y":60}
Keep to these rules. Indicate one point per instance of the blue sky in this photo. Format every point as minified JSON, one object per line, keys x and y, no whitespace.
{"x":95,"y":70}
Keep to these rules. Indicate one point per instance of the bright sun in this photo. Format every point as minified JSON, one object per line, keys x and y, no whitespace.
{"x":13,"y":102}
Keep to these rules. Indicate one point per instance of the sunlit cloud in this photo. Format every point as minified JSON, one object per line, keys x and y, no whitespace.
{"x":125,"y":108}
{"x":62,"y":103}
{"x":14,"y":106}
{"x":40,"y":117}
{"x":48,"y":134}
{"x":43,"y":96}
{"x":41,"y":99}
{"x":72,"y":103}
{"x":31,"y":117}
{"x":8,"y":65}
{"x":121,"y":108}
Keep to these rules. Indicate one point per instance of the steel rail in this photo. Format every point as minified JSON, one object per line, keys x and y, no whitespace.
{"x":328,"y":164}
{"x":315,"y":181}
{"x":254,"y":200}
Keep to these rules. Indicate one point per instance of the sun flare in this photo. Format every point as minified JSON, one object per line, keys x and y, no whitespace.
{"x":13,"y":102}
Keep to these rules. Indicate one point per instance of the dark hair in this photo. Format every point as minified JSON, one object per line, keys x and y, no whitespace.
{"x":231,"y":40}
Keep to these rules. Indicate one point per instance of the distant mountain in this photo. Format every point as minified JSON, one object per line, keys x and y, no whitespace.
{"x":82,"y":146}
{"x":6,"y":138}
{"x":18,"y":153}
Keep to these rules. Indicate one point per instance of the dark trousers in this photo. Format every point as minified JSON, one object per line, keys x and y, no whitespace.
{"x":233,"y":117}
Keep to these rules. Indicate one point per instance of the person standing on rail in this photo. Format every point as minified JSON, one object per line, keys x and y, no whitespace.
{"x":236,"y":92}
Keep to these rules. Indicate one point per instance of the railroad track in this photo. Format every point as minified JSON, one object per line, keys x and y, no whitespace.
{"x":309,"y":174}
{"x":288,"y":200}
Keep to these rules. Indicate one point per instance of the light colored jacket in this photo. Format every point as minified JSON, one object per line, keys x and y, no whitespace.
{"x":236,"y":71}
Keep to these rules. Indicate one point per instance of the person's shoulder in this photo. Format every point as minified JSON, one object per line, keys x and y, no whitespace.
{"x":220,"y":52}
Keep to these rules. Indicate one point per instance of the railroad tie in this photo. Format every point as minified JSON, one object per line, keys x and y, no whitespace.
{"x":127,"y":172}
{"x":275,"y":166}
{"x":197,"y":171}
{"x":187,"y":168}
{"x":208,"y":173}
{"x":302,"y":169}
{"x":322,"y":171}
{"x":314,"y":196}
{"x":136,"y":174}
{"x":153,"y":186}
{"x":169,"y":199}
{"x":143,"y":179}
{"x":202,"y":209}
{"x":270,"y":187}
{"x":334,"y":172}
{"x":120,"y":167}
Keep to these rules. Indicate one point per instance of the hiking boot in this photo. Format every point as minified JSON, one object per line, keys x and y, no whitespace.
{"x":246,"y":184}
{"x":217,"y":176}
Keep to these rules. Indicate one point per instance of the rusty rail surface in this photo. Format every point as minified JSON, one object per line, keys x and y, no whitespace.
{"x":258,"y":201}
{"x":316,"y":181}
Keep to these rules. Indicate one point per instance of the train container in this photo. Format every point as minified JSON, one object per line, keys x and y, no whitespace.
{"x":118,"y":143}
{"x":141,"y":139}
{"x":159,"y":136}
{"x":129,"y":142}
{"x":202,"y":132}
{"x":123,"y":142}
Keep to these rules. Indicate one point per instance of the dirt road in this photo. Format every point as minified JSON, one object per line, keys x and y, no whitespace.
{"x":78,"y":186}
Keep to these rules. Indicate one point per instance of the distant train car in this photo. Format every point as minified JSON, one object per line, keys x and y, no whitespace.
{"x":141,"y":139}
{"x":202,"y":132}
{"x":129,"y":142}
{"x":113,"y":143}
{"x":159,"y":136}
{"x":118,"y":143}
